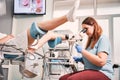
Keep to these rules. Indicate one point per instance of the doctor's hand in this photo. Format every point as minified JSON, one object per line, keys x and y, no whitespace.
{"x":78,"y":48}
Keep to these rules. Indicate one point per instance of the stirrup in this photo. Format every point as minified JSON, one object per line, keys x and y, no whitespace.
{"x":53,"y":43}
{"x":35,"y":31}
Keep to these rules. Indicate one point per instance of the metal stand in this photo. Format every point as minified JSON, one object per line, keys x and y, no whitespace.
{"x":21,"y":58}
{"x":116,"y":68}
{"x":62,"y":60}
{"x":10,"y":57}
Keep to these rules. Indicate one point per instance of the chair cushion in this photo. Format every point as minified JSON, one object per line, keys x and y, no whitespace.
{"x":35,"y":31}
{"x":53,"y":43}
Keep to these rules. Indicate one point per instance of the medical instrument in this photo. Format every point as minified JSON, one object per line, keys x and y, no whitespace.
{"x":80,"y":33}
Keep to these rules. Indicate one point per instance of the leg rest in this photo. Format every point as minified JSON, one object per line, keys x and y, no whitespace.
{"x":53,"y":43}
{"x":35,"y":31}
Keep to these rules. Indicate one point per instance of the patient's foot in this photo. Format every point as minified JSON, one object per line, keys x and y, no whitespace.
{"x":71,"y":15}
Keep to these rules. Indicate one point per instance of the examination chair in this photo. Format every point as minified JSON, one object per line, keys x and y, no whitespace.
{"x":36,"y":33}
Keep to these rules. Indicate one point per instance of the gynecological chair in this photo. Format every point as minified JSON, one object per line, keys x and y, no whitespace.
{"x":19,"y":57}
{"x":36,"y":33}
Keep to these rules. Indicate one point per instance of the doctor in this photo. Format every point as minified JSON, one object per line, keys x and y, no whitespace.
{"x":96,"y":57}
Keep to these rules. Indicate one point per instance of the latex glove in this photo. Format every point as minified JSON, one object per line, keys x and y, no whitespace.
{"x":77,"y":59}
{"x":78,"y":48}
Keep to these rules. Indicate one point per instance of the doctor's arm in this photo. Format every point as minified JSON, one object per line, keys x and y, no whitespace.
{"x":98,"y":60}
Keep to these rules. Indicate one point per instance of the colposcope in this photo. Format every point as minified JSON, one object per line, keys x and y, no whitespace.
{"x":82,"y":31}
{"x":80,"y":34}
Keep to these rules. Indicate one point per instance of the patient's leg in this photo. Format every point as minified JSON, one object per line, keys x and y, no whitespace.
{"x":50,"y":36}
{"x":53,"y":23}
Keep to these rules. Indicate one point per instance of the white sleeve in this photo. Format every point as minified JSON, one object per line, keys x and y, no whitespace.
{"x":2,"y":35}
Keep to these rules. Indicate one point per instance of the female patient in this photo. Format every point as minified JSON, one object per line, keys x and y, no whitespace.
{"x":26,"y":39}
{"x":96,"y":57}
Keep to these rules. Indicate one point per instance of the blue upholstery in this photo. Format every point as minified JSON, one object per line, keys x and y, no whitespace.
{"x":53,"y":43}
{"x":9,"y":56}
{"x":14,"y":57}
{"x":35,"y":31}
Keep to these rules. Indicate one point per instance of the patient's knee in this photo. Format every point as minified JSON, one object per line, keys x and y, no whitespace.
{"x":36,"y":31}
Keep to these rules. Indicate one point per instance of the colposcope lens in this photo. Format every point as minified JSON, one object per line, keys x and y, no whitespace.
{"x":83,"y":30}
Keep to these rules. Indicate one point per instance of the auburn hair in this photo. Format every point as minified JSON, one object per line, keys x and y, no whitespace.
{"x":96,"y":34}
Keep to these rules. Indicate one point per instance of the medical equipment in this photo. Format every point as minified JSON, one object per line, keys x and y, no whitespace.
{"x":26,"y":72}
{"x":1,"y":71}
{"x":51,"y":64}
{"x":17,"y":57}
{"x":80,"y":34}
{"x":58,"y":56}
{"x":54,"y":46}
{"x":53,"y":43}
